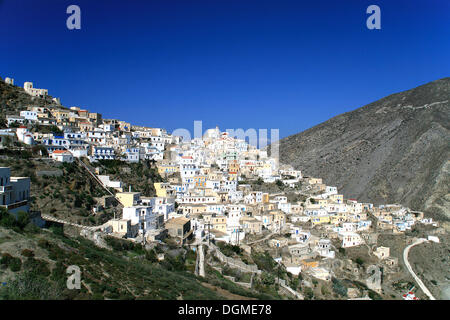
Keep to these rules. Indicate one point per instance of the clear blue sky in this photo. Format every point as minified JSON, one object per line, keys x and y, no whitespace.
{"x":233,"y":63}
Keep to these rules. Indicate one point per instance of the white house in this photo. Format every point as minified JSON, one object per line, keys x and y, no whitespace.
{"x":160,"y":205}
{"x":29,"y":115}
{"x":23,"y":135}
{"x":14,"y":119}
{"x":144,"y":217}
{"x":111,"y":184}
{"x":102,"y":153}
{"x":132,"y":155}
{"x":351,"y":239}
{"x":14,"y":191}
{"x":62,"y":156}
{"x":293,"y":268}
{"x":324,"y":248}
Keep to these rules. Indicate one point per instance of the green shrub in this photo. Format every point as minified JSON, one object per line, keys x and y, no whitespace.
{"x":338,"y":287}
{"x":37,"y":266}
{"x":308,"y":293}
{"x":229,"y":249}
{"x":43,"y":243}
{"x":28,"y":253}
{"x":15,"y":264}
{"x":324,"y":291}
{"x":374,"y":296}
{"x":359,"y":261}
{"x":30,"y":286}
{"x":264,"y":261}
{"x":151,"y":256}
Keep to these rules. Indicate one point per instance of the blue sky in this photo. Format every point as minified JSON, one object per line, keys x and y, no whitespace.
{"x":233,"y":63}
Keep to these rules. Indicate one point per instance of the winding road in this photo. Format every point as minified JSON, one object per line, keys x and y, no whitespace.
{"x":408,"y":266}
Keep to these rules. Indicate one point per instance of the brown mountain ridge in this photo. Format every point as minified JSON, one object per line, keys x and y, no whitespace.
{"x":394,"y":150}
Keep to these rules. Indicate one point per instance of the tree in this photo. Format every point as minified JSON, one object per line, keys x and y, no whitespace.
{"x":14,"y":124}
{"x":359,"y":261}
{"x":308,"y":293}
{"x":151,"y":256}
{"x":267,"y":279}
{"x":3,"y":123}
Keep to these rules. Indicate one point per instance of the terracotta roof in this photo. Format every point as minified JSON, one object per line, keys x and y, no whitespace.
{"x":61,"y":151}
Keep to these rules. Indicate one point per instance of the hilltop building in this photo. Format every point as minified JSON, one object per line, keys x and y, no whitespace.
{"x":28,"y":86}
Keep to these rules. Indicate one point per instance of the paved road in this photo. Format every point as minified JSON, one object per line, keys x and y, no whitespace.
{"x":408,"y":266}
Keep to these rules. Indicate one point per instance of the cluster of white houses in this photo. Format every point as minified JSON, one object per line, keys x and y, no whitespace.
{"x":206,"y":190}
{"x":84,"y":133}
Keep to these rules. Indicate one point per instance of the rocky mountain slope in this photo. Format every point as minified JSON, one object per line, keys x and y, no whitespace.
{"x":394,"y":150}
{"x":14,"y":99}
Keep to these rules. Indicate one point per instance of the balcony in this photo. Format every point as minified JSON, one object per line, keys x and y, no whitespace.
{"x":15,"y":205}
{"x":5,"y":188}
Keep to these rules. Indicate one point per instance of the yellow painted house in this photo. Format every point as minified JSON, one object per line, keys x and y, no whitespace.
{"x":168,"y":169}
{"x":192,"y":209}
{"x":128,"y":199}
{"x":161,"y":189}
{"x":320,"y":220}
{"x":314,"y":180}
{"x":60,"y":115}
{"x":279,"y":217}
{"x":219,"y":223}
{"x":336,"y":219}
{"x":338,"y":198}
{"x":233,"y":166}
{"x":321,"y":202}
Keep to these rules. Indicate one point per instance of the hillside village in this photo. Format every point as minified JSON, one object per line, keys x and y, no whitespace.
{"x":214,"y":190}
